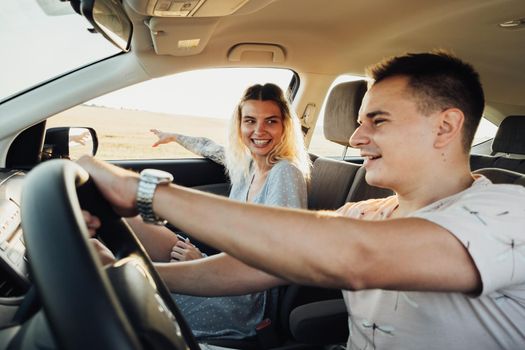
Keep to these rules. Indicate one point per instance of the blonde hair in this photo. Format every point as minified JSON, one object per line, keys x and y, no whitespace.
{"x":290,"y":147}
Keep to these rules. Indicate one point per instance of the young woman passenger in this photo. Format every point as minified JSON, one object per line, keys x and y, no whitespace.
{"x":267,"y":164}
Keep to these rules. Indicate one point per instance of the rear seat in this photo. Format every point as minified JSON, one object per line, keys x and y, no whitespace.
{"x":509,"y":141}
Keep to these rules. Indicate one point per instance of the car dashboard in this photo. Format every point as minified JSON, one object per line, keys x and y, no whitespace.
{"x":14,"y":274}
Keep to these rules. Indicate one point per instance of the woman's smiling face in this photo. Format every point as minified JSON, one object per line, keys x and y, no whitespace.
{"x":261,"y":126}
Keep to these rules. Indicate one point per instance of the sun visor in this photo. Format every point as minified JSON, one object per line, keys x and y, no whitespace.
{"x":181,"y":37}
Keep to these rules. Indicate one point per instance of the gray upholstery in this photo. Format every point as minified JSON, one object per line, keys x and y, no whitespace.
{"x":330,"y":183}
{"x":336,"y":182}
{"x":510,"y":137}
{"x":361,"y":191}
{"x":342,"y":108}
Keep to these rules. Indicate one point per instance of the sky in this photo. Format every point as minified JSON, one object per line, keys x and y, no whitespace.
{"x":210,"y":92}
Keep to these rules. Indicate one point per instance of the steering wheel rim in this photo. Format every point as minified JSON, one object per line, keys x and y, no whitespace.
{"x":76,"y":292}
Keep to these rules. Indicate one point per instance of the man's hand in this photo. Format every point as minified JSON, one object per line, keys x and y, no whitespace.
{"x":117,"y":185}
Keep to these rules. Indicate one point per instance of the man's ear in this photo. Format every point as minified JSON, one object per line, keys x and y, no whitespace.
{"x":450,"y":127}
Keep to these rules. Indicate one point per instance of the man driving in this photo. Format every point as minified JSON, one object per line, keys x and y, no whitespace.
{"x":435,"y":266}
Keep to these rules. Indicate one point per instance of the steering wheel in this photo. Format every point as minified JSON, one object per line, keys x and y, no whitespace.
{"x":123,"y":306}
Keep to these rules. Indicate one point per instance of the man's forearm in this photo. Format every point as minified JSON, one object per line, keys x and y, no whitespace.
{"x":306,"y":247}
{"x":322,"y":249}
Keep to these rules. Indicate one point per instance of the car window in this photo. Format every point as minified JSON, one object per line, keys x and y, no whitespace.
{"x":486,"y":131}
{"x":319,"y":145}
{"x":196,"y":103}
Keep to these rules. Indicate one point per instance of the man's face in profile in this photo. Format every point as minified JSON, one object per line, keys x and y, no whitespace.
{"x":395,"y":138}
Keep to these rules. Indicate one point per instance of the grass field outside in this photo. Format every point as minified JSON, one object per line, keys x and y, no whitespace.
{"x":124,"y":134}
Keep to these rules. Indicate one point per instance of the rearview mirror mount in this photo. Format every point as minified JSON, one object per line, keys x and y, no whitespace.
{"x":108,"y":18}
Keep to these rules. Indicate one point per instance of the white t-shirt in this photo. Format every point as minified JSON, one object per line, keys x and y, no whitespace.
{"x":489,"y":220}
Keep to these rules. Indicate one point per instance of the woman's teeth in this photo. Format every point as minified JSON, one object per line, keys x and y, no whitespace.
{"x":261,"y":142}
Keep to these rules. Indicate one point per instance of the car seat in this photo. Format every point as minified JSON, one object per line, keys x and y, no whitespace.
{"x":508,"y":147}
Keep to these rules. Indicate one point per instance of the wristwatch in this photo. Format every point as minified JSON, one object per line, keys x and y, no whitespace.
{"x":148,"y":182}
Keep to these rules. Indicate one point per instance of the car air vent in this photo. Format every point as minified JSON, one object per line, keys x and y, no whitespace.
{"x":9,"y":287}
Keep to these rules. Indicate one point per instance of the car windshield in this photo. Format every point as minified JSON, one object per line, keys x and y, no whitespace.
{"x":43,"y":39}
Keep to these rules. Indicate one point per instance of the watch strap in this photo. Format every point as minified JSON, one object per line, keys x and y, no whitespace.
{"x":146,"y":189}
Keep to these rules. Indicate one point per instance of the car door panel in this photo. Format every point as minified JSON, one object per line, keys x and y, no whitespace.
{"x":198,"y":173}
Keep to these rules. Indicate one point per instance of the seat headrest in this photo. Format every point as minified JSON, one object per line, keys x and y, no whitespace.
{"x":342,"y":108}
{"x":510,"y":137}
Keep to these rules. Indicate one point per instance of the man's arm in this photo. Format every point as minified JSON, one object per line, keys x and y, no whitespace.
{"x":321,"y":249}
{"x":306,"y":247}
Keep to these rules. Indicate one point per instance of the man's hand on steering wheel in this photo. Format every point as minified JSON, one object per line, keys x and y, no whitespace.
{"x":117,"y":185}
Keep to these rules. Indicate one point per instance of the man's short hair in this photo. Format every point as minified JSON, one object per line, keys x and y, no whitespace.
{"x":438,"y":80}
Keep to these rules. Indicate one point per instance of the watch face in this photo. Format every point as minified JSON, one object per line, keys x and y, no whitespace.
{"x":157,"y":175}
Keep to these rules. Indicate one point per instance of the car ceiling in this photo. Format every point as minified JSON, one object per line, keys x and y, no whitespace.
{"x":345,"y":36}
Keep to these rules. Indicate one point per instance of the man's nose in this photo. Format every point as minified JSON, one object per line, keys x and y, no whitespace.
{"x":359,"y":137}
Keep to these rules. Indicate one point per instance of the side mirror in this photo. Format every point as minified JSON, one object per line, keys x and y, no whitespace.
{"x":69,"y":143}
{"x":109,"y":19}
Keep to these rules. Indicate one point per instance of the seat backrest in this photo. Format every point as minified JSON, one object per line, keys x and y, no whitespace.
{"x":331,"y":180}
{"x":334,"y":182}
{"x":330,"y":183}
{"x":361,"y":190}
{"x":510,"y":137}
{"x":508,"y":147}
